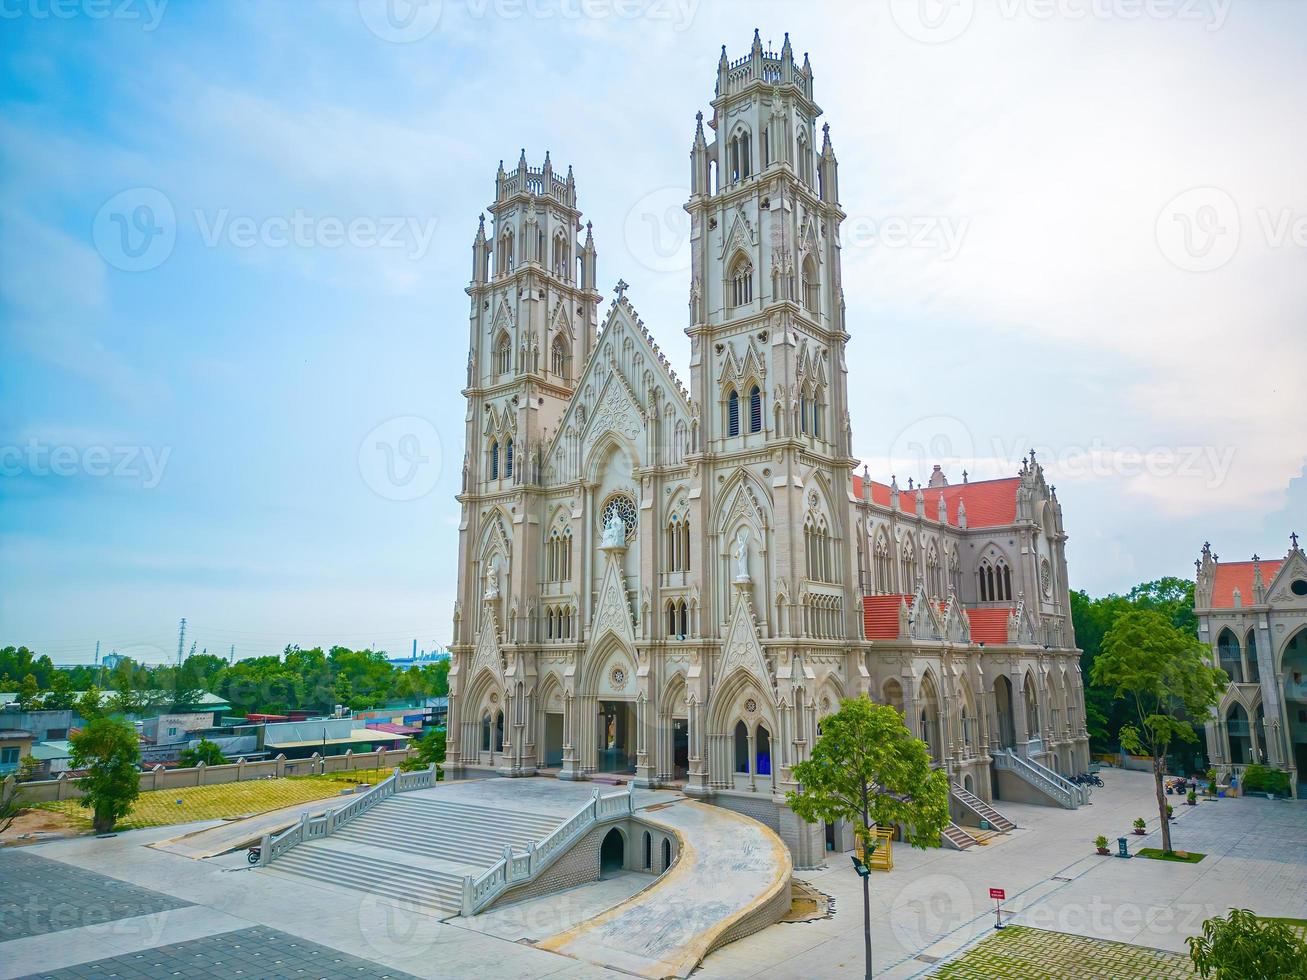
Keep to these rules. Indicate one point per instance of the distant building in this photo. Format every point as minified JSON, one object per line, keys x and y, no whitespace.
{"x":1253,"y":616}
{"x":14,"y":744}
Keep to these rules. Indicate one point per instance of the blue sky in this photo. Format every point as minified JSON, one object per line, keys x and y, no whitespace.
{"x":1075,"y":226}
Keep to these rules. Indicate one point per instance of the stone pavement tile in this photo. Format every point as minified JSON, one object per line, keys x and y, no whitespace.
{"x":73,"y":947}
{"x":39,"y":896}
{"x":257,"y":952}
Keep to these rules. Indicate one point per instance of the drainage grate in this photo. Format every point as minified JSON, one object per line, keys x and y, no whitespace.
{"x":927,"y":959}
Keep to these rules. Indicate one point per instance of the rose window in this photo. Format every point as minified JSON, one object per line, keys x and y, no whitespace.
{"x":624,"y":507}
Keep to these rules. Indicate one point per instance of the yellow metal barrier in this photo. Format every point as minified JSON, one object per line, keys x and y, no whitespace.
{"x":882,"y":858}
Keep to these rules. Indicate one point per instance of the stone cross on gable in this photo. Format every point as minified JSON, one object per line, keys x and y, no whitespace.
{"x":622,"y":287}
{"x":1294,"y":538}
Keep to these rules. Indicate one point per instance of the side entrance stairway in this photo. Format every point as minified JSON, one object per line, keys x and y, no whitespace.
{"x":414,"y":848}
{"x":984,"y":811}
{"x":1037,"y":782}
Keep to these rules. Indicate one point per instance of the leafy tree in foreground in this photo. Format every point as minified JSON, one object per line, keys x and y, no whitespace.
{"x":203,"y":751}
{"x":109,"y":752}
{"x":1243,"y":947}
{"x":1162,"y":673}
{"x":869,"y":770}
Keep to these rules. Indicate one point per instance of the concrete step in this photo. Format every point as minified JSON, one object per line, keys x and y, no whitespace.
{"x":460,"y":849}
{"x":982,"y":809}
{"x":957,"y":838}
{"x":435,"y":890}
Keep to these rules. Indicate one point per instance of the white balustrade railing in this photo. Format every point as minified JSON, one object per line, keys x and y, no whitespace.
{"x":1012,"y":762}
{"x":513,"y":869}
{"x":315,"y":826}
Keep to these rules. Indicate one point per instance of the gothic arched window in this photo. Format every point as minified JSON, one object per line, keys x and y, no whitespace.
{"x":558,"y":357}
{"x":908,"y":559}
{"x":503,"y":354}
{"x":508,"y":458}
{"x":741,"y":276}
{"x":733,"y":413}
{"x":755,"y":409}
{"x":811,"y":285}
{"x":494,"y":459}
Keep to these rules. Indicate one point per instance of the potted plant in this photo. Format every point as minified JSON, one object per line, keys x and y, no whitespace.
{"x":1139,"y":826}
{"x":1211,"y":783}
{"x":1192,"y":798}
{"x":1170,"y":811}
{"x":1100,"y":842}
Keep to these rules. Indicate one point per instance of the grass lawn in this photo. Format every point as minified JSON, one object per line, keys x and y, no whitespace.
{"x":1022,"y":953}
{"x":158,"y":808}
{"x":1181,"y":857}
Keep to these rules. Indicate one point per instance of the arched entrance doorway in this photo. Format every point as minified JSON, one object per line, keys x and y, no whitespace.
{"x":617,"y":736}
{"x":1007,"y":733}
{"x":612,"y":853}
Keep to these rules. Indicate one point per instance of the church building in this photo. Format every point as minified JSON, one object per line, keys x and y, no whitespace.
{"x":673,"y":581}
{"x":1253,"y":616}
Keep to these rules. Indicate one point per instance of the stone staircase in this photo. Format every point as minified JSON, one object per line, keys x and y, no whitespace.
{"x":955,"y":837}
{"x":981,"y":809}
{"x":415,"y":848}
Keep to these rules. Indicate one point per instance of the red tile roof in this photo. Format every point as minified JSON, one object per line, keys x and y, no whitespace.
{"x":392,"y":729}
{"x":1239,"y":575}
{"x":880,"y":616}
{"x":989,"y":624}
{"x":990,"y":503}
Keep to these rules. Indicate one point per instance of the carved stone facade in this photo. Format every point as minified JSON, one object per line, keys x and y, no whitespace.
{"x":747,"y":596}
{"x":1253,"y":615}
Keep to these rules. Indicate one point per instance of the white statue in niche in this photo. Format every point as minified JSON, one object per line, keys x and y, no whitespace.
{"x":742,"y":555}
{"x":492,"y":579}
{"x":614,"y":531}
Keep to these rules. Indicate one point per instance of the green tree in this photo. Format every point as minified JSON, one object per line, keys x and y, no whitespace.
{"x":1243,"y":947}
{"x":430,"y":751}
{"x":29,"y":694}
{"x":61,"y":694}
{"x":869,"y":770}
{"x":88,"y":704}
{"x":1162,"y":674}
{"x":109,"y":752}
{"x":203,"y":751}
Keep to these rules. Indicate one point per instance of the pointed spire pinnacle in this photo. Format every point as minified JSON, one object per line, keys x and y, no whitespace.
{"x":723,"y":61}
{"x":757,"y":42}
{"x":786,"y":50}
{"x":501,"y":168}
{"x":807,"y":65}
{"x":521,"y":160}
{"x":481,"y":227}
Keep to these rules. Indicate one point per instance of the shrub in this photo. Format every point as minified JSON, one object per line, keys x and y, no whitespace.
{"x":1243,"y":947}
{"x":1264,"y":779}
{"x":1140,"y":823}
{"x":1100,"y":842}
{"x":203,"y":751}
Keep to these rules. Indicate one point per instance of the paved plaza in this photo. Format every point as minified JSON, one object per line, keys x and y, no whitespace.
{"x":124,"y":908}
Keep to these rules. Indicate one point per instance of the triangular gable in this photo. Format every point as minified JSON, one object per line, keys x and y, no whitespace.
{"x":613,"y":610}
{"x":740,"y":237}
{"x":956,"y":625}
{"x":596,"y":397}
{"x":487,"y":653}
{"x":743,"y":649}
{"x":1277,"y":589}
{"x":923,"y":623}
